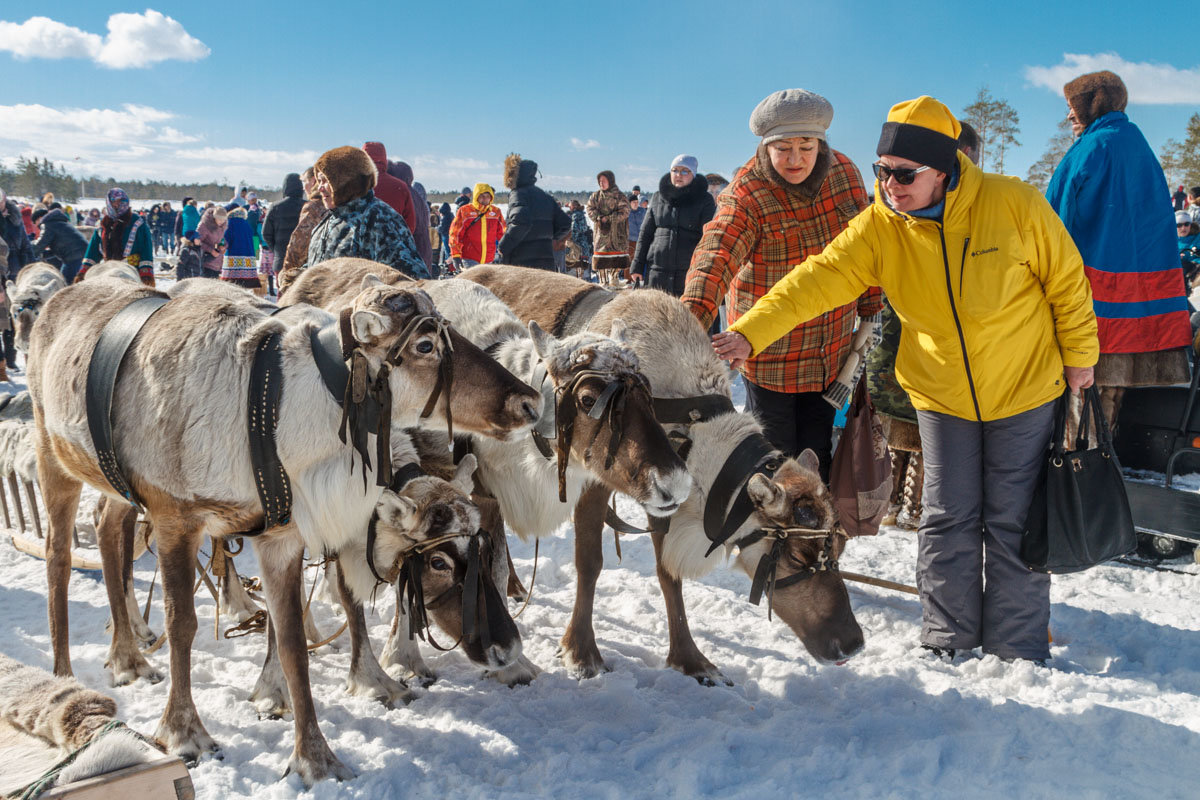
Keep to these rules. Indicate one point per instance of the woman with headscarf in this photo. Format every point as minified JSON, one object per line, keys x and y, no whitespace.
{"x":211,"y":231}
{"x":672,"y":228}
{"x":122,"y":236}
{"x":608,"y":209}
{"x":1111,"y":194}
{"x":786,"y":203}
{"x":997,"y":320}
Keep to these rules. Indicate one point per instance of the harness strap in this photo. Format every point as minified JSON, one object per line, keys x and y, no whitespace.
{"x":103,"y":370}
{"x":687,"y":410}
{"x":400,"y":478}
{"x":750,"y":456}
{"x":263,"y":399}
{"x":587,"y":305}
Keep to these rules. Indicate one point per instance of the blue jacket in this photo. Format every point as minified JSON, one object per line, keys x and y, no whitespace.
{"x":636,"y":217}
{"x":1112,"y":197}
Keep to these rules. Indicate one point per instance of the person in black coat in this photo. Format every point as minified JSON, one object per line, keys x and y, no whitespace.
{"x":61,"y":240}
{"x":447,"y":219}
{"x":677,"y":216}
{"x":282,"y":218}
{"x":535,"y":219}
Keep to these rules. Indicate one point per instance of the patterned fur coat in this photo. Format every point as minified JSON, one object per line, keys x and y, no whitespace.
{"x":367,"y":228}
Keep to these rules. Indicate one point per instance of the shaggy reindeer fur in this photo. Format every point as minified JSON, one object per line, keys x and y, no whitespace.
{"x":677,"y":358}
{"x":329,"y":287}
{"x":35,"y":284}
{"x":179,"y":412}
{"x":112,"y":269}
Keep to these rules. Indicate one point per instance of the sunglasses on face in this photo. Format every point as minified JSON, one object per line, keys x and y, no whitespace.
{"x":903,"y":175}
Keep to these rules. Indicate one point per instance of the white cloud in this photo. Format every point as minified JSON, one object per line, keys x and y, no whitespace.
{"x":134,"y":142}
{"x":133,"y":40}
{"x":581,"y":144}
{"x":1148,"y":84}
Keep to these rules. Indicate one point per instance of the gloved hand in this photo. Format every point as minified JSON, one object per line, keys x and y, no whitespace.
{"x":868,"y":335}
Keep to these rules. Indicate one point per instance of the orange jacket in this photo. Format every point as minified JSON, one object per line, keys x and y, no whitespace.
{"x":476,"y":229}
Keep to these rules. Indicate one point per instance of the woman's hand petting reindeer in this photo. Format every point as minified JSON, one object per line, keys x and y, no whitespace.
{"x":732,"y":347}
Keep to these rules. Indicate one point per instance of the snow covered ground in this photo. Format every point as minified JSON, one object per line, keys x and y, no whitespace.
{"x":1115,"y":715}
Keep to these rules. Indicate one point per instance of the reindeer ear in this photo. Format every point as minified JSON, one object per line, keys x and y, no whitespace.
{"x":367,"y":325}
{"x":543,"y":342}
{"x":397,"y":511}
{"x":369,"y":280}
{"x":617,"y":330}
{"x":763,"y":491}
{"x":464,"y":475}
{"x":808,"y":459}
{"x":9,"y":288}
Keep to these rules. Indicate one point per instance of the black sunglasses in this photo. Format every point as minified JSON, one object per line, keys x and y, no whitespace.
{"x":903,"y":175}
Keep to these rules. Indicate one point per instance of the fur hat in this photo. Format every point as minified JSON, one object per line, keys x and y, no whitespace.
{"x":790,"y":113}
{"x":1095,"y":94}
{"x":608,"y":173}
{"x":349,"y":171}
{"x":921,"y":130}
{"x":512,"y":163}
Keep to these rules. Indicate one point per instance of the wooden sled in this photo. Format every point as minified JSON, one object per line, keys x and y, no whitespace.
{"x":37,"y":548}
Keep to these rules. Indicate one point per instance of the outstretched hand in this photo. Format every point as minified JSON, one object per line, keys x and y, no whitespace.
{"x":732,"y":347}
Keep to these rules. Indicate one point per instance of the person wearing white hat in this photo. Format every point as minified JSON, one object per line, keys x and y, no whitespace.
{"x":673,"y":225}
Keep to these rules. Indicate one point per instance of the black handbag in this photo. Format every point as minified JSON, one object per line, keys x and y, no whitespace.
{"x":1080,"y":515}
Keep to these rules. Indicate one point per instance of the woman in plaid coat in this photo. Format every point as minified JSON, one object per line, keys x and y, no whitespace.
{"x":785,"y":204}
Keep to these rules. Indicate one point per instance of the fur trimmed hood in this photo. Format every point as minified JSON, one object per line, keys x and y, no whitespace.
{"x":810,"y":187}
{"x":612,"y":179}
{"x":1095,"y":94}
{"x":519,"y":172}
{"x":350,"y":172}
{"x":682,"y":194}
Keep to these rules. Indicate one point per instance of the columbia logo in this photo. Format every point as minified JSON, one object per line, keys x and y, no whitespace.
{"x":984,"y":252}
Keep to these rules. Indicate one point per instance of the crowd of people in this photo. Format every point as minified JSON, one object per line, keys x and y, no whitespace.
{"x":997,"y":298}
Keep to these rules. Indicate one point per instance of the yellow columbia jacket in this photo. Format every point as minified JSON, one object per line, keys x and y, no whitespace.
{"x":993,"y":302}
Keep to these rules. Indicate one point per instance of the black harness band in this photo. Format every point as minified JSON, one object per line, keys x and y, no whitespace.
{"x":400,"y":479}
{"x":753,"y":454}
{"x":105,"y":366}
{"x":263,"y":399}
{"x":688,"y":410}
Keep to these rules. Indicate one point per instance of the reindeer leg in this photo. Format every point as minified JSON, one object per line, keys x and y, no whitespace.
{"x":33,"y":508}
{"x":114,"y":536}
{"x":270,"y":695}
{"x":683,"y":654}
{"x":125,"y":519}
{"x":180,"y":729}
{"x":578,"y":647}
{"x":12,"y":484}
{"x":404,"y":652}
{"x":4,"y":505}
{"x":366,"y":677}
{"x":236,"y":602}
{"x":61,"y":493}
{"x":282,"y":560}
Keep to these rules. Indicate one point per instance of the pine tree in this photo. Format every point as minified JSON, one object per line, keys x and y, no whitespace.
{"x":1181,"y":160}
{"x":997,"y":124}
{"x":1042,"y":170}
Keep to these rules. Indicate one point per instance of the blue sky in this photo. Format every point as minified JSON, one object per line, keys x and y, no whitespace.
{"x":255,"y":90}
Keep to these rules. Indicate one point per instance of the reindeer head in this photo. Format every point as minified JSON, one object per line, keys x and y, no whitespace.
{"x":434,"y":524}
{"x":604,"y":418}
{"x":435,"y":374}
{"x":25,"y":304}
{"x":814,"y":602}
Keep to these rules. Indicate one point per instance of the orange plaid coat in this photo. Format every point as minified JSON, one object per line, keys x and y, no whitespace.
{"x":760,"y":232}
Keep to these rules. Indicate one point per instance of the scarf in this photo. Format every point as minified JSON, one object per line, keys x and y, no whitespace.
{"x":117,"y":204}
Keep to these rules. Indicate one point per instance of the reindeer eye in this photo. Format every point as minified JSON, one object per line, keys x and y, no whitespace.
{"x":587,"y":401}
{"x":425,"y":346}
{"x":440,"y":564}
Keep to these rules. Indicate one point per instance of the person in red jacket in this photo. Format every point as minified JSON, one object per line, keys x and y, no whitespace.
{"x":389,"y":188}
{"x":476,"y":229}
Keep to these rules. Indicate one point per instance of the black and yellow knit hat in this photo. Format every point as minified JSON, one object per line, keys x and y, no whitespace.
{"x":921,"y":130}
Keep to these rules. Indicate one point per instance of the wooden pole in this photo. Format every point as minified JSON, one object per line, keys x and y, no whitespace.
{"x":880,"y":582}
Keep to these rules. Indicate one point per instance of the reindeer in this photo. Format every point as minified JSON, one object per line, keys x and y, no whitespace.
{"x":676,"y":356}
{"x":34,"y":286}
{"x":627,"y":452}
{"x":112,"y":269}
{"x":178,"y":406}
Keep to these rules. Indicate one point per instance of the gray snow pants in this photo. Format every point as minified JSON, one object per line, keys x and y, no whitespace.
{"x":979,"y":480}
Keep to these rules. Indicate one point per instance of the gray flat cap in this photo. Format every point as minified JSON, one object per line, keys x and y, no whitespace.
{"x":789,"y":113}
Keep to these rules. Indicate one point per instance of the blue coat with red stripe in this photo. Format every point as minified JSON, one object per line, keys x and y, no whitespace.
{"x":1112,"y":197}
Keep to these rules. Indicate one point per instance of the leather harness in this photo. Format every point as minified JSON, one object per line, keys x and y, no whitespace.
{"x":264,"y":395}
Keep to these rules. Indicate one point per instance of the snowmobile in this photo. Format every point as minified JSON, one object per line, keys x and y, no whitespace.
{"x":1166,"y":517}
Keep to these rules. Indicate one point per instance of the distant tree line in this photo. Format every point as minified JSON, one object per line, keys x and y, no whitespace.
{"x":31,"y":177}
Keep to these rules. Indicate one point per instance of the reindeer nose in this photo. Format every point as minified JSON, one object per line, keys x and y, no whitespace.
{"x":806,"y":518}
{"x":531,"y":411}
{"x":524,"y":407}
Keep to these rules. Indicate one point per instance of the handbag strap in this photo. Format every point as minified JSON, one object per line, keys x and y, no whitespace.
{"x":1060,"y":423}
{"x":1092,"y":413}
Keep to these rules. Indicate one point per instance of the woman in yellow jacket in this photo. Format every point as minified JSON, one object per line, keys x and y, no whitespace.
{"x":997,"y":316}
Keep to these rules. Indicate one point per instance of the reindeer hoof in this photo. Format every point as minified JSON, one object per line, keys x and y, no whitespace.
{"x":129,"y":670}
{"x":190,"y":744}
{"x":270,"y":703}
{"x":383,"y":688}
{"x":317,"y":768}
{"x":583,"y":668}
{"x":705,"y":673}
{"x":520,"y":673}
